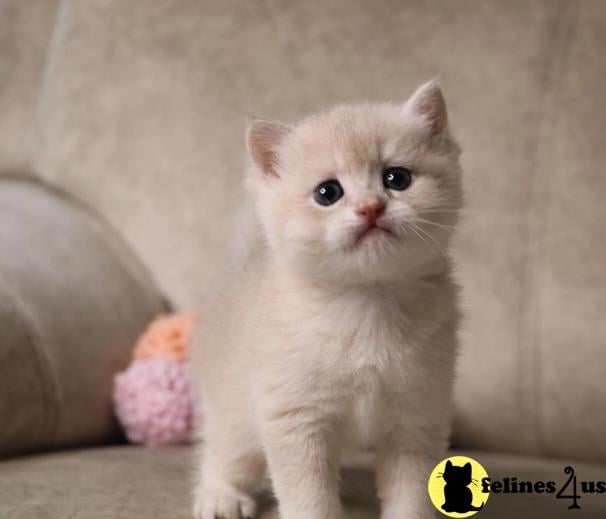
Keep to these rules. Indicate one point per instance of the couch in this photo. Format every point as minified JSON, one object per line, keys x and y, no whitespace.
{"x":121,"y":156}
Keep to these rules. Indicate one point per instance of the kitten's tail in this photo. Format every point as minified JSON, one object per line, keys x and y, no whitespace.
{"x":476,"y":508}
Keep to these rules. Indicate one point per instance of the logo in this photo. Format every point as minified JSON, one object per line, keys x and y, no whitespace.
{"x":459,"y":487}
{"x":571,"y":488}
{"x":455,"y":488}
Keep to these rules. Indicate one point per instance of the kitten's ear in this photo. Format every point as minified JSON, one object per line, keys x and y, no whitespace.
{"x":262,"y":140}
{"x":429,"y":103}
{"x":448,"y":464}
{"x":467,"y":468}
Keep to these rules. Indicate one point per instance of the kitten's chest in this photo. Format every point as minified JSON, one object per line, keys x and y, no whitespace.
{"x":364,"y":413}
{"x":365,"y":334}
{"x":372,"y":357}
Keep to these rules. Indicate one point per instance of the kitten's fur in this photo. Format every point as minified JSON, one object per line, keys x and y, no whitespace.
{"x":319,"y":344}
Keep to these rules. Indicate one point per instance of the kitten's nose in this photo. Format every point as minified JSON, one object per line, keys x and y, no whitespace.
{"x":370,"y":210}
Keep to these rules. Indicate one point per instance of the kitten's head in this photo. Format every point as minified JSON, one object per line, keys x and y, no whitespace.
{"x":359,"y":193}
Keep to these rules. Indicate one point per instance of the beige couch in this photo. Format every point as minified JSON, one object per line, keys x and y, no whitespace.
{"x":121,"y":156}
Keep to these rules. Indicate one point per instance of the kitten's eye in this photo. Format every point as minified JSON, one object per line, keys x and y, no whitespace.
{"x":397,"y":178}
{"x":327,"y":193}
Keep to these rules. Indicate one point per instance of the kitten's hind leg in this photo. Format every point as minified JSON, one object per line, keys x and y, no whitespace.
{"x":231,"y":469}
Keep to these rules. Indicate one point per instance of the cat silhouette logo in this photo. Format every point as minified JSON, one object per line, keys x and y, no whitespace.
{"x":454,"y":486}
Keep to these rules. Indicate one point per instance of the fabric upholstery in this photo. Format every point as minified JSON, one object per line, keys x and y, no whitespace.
{"x":534,"y":365}
{"x":25,"y":32}
{"x":142,"y":116}
{"x":129,"y":482}
{"x":74,"y":299}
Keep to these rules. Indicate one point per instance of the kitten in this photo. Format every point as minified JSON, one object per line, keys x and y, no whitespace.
{"x":338,"y":330}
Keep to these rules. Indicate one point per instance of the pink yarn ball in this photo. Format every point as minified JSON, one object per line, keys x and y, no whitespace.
{"x":154,"y":401}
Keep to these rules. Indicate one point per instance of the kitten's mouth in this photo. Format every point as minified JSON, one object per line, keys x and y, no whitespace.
{"x":372,"y":231}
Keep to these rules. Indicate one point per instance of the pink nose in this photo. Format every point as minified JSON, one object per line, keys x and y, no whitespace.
{"x":370,"y":210}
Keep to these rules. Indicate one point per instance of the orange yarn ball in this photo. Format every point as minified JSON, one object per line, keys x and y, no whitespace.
{"x":167,"y":336}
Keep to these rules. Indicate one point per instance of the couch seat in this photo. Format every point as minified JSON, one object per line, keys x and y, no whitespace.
{"x":128,"y":482}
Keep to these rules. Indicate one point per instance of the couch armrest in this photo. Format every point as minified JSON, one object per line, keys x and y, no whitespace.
{"x":73,"y":300}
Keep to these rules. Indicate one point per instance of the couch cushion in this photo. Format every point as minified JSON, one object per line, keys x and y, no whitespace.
{"x":533,"y":259}
{"x":26,"y":27}
{"x":74,"y":299}
{"x":137,"y":482}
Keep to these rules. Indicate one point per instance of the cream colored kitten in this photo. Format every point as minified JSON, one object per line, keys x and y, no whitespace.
{"x":337,"y":331}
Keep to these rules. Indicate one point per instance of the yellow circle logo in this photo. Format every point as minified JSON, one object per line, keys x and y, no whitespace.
{"x":455,"y":486}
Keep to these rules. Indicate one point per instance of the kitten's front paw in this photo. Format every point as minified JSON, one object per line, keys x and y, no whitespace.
{"x":223,"y":504}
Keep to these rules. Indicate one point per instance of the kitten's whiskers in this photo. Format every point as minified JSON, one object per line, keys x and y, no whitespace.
{"x":422,"y":234}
